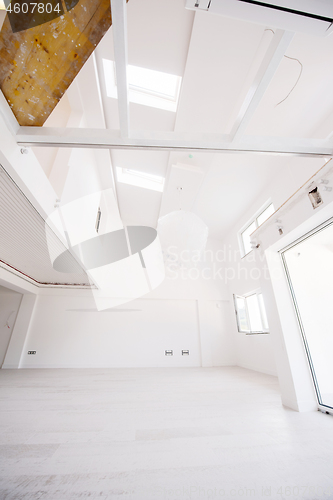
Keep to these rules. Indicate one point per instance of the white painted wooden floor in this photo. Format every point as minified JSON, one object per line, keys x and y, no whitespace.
{"x":151,"y":434}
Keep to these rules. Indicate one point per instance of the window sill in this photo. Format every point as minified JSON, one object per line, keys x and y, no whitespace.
{"x":256,"y":333}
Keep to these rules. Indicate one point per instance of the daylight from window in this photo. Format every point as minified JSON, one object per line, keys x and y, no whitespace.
{"x":252,"y":226}
{"x":250,"y":313}
{"x":140,"y":179}
{"x":146,"y":86}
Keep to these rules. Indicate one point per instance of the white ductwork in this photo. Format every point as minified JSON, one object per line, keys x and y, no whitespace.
{"x":314,"y":17}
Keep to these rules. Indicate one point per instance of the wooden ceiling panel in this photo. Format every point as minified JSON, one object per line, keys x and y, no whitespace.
{"x":37,"y":65}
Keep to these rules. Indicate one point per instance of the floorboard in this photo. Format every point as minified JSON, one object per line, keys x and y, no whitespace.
{"x":150,"y":434}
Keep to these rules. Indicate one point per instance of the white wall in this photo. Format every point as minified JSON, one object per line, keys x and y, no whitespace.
{"x":185,"y":312}
{"x":202,"y":281}
{"x":186,"y":299}
{"x":216,"y":342}
{"x":244,"y":275}
{"x":188,"y":311}
{"x":296,"y":217}
{"x":67,"y":331}
{"x":9,"y":305}
{"x":254,"y":352}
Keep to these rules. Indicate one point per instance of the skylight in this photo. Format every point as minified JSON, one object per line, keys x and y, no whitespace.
{"x":140,"y":179}
{"x":146,"y":86}
{"x":257,"y":220}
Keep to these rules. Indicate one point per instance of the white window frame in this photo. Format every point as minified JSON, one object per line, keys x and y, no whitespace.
{"x":262,"y":314}
{"x":254,"y":219}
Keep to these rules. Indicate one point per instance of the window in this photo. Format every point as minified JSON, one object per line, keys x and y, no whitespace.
{"x":246,"y":237}
{"x":245,"y":234}
{"x":140,"y":179}
{"x":146,"y":86}
{"x":250,"y":313}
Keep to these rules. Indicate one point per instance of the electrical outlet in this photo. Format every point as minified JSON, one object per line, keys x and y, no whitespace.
{"x":32,"y":352}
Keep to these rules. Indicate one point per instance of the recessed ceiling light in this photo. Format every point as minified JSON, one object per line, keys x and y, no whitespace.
{"x":146,"y":86}
{"x":140,"y":179}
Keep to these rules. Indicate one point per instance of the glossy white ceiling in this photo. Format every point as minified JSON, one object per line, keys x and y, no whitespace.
{"x":219,"y":59}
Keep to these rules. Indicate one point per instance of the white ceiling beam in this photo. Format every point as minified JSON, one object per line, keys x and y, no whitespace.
{"x":119,"y":27}
{"x":169,"y":141}
{"x":265,"y":74}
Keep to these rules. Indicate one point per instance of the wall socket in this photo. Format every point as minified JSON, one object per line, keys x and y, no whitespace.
{"x":32,"y":352}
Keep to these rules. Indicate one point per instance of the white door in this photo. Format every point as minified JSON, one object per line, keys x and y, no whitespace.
{"x":309,"y":267}
{"x":9,"y":306}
